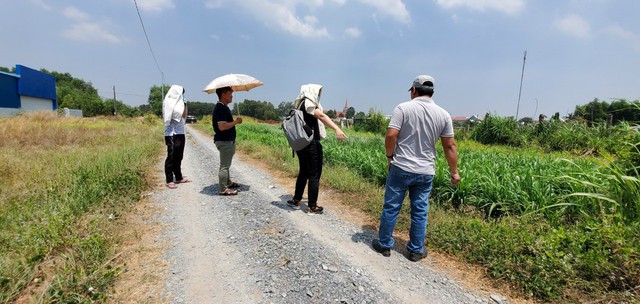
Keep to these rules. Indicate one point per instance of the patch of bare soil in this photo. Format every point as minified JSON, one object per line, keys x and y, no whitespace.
{"x":141,"y":254}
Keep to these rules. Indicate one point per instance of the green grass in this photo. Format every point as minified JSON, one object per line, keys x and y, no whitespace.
{"x":70,"y":181}
{"x":557,"y":227}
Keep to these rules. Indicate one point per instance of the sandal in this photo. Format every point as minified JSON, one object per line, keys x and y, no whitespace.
{"x":184,"y":180}
{"x":171,"y":185}
{"x":233,"y":185}
{"x":228,"y":191}
{"x":315,"y":210}
{"x":293,"y":203}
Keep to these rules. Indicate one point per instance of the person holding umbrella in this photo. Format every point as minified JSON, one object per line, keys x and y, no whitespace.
{"x":224,"y":127}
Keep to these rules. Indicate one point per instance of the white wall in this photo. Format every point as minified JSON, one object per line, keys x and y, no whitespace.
{"x":72,"y":112}
{"x":29,"y":104}
{"x":9,"y":111}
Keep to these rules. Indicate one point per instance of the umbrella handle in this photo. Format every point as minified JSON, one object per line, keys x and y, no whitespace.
{"x":238,"y":108}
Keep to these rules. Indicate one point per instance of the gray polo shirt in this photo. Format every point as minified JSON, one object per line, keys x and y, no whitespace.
{"x":421,"y":123}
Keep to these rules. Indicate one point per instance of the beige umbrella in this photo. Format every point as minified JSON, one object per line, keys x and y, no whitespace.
{"x":237,"y":82}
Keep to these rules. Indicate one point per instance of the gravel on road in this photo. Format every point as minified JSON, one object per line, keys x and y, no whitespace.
{"x":254,"y":248}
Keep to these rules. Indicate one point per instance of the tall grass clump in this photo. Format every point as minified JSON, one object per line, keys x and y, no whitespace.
{"x":498,"y":130}
{"x":573,"y":136}
{"x":375,"y":123}
{"x":70,"y":179}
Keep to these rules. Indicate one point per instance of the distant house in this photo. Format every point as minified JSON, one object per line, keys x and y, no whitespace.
{"x":459,"y":120}
{"x":27,"y":90}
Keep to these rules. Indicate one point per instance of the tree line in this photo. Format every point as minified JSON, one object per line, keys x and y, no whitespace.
{"x":75,"y":93}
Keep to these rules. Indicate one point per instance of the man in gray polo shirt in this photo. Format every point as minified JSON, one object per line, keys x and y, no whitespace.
{"x":410,"y":144}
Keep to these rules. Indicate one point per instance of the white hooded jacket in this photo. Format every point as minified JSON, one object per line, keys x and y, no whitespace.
{"x":173,"y":105}
{"x":310,"y":94}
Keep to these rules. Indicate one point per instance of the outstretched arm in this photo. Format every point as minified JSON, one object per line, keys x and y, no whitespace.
{"x":327,"y":122}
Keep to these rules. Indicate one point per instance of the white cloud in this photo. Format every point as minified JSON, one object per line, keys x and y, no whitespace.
{"x":88,"y":32}
{"x":75,"y":14}
{"x":283,"y":14}
{"x":41,"y":4}
{"x":574,"y":25}
{"x":212,"y":4}
{"x":628,"y":36}
{"x":155,"y":5}
{"x":505,"y":6}
{"x":393,"y":8}
{"x":85,"y":30}
{"x":353,"y":32}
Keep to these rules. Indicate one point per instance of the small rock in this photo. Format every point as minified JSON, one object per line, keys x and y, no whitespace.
{"x":499,"y":299}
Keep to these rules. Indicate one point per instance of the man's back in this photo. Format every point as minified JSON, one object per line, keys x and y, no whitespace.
{"x":421,"y":123}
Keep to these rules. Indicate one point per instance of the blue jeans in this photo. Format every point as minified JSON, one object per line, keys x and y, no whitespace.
{"x":419,"y":186}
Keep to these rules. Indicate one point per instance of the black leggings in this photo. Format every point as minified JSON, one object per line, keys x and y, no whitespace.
{"x":175,"y":152}
{"x":310,"y":160}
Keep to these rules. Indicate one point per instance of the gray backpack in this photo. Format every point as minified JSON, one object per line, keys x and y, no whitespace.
{"x":298,"y":133}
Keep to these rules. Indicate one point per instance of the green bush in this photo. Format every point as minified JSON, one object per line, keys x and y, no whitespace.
{"x":375,"y":123}
{"x":498,"y":130}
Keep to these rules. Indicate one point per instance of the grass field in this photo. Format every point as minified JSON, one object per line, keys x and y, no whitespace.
{"x":557,"y":227}
{"x":66,"y":182}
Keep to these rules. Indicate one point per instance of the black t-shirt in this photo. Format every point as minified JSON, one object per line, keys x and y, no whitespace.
{"x":222,"y":113}
{"x":311,"y":121}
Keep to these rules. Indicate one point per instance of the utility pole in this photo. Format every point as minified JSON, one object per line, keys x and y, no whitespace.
{"x":115,"y":113}
{"x":521,"y":77}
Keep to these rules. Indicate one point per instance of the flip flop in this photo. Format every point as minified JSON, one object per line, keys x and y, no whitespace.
{"x":184,"y":180}
{"x":228,"y":191}
{"x":171,"y":185}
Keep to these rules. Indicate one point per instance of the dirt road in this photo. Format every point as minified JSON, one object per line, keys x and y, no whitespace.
{"x":253,"y":248}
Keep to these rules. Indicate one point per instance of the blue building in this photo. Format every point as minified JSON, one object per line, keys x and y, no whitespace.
{"x":27,"y":90}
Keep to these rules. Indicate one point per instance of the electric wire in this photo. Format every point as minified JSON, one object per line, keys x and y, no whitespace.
{"x":148,"y":42}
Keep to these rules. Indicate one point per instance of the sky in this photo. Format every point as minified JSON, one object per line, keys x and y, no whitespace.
{"x":363,"y":52}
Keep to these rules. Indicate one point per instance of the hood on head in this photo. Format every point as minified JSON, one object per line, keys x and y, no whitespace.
{"x":310,"y":91}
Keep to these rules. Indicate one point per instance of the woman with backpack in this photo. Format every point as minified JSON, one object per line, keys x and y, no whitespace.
{"x":310,"y":158}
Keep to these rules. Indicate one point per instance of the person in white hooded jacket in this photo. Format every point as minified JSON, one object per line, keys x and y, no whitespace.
{"x":310,"y":158}
{"x":174,"y":112}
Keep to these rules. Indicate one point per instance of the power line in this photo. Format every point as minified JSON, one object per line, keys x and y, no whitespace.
{"x":521,"y":77}
{"x":149,"y":43}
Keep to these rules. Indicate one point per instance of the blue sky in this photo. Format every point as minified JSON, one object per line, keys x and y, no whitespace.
{"x":363,"y":51}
